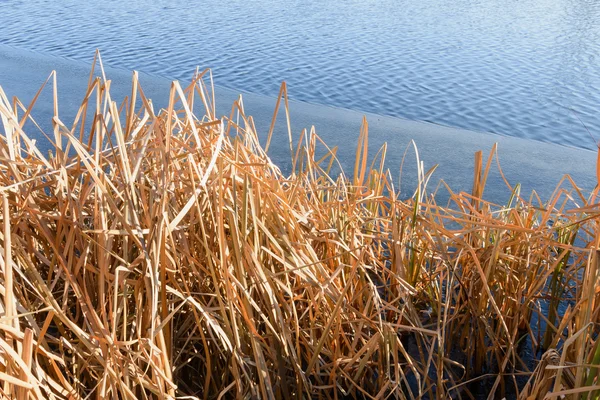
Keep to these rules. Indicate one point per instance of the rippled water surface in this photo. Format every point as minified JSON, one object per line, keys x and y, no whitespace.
{"x":515,"y":67}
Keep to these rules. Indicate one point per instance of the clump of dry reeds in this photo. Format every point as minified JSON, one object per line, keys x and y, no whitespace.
{"x":163,"y":255}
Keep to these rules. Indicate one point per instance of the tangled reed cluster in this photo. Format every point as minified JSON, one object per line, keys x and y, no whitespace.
{"x":162,"y":254}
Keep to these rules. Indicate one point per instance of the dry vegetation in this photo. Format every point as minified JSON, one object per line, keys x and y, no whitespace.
{"x":163,"y":255}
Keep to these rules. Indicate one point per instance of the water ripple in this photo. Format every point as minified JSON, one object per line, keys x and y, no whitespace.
{"x":514,"y":67}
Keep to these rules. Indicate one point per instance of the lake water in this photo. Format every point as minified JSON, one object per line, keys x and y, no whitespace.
{"x":515,"y":67}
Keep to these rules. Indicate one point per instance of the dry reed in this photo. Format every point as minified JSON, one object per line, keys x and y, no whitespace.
{"x":163,"y":255}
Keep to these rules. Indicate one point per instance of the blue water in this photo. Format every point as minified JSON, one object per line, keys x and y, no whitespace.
{"x":514,"y":67}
